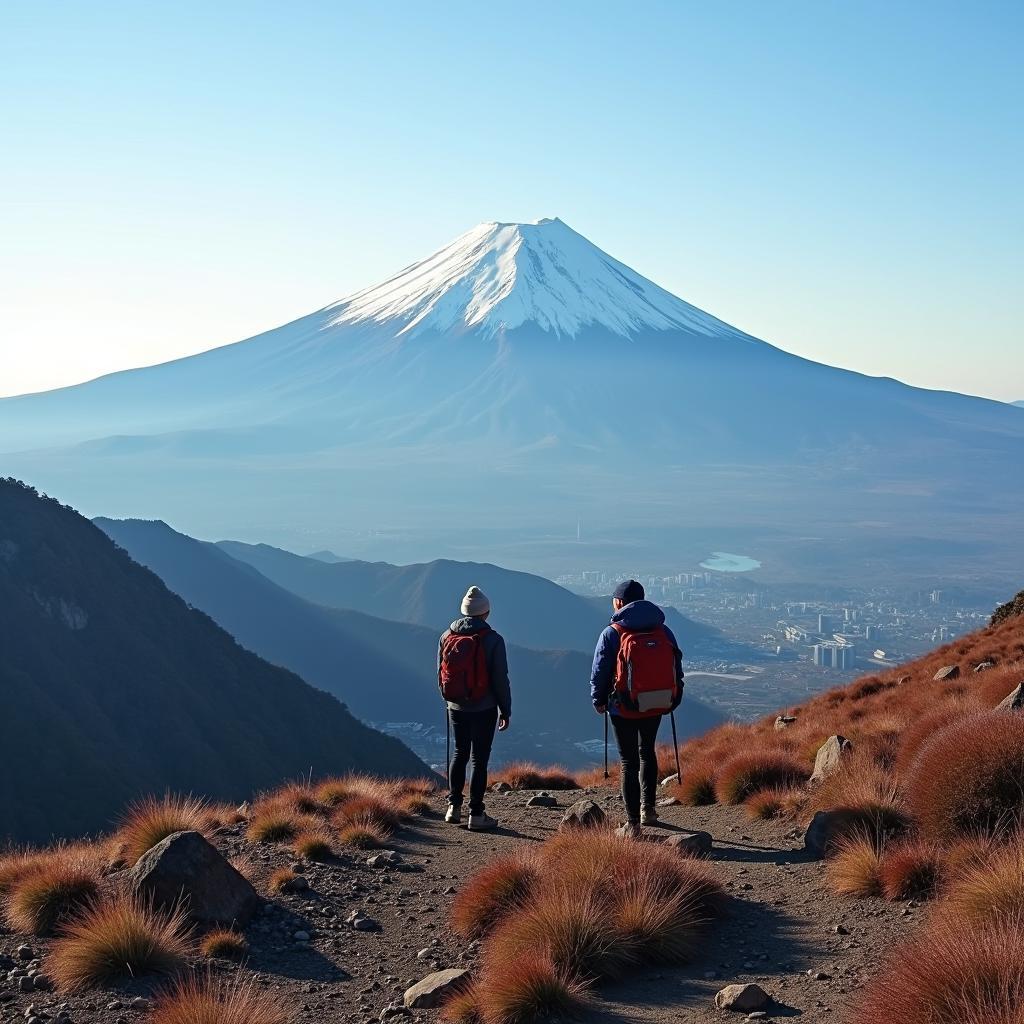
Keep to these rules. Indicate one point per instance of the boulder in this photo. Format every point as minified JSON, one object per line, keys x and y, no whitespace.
{"x":1014,"y":700}
{"x":828,"y":827}
{"x":582,"y":814}
{"x":742,"y":998}
{"x":185,"y":868}
{"x":829,"y":756}
{"x":784,"y":722}
{"x":947,"y":672}
{"x":435,"y":989}
{"x":501,"y":787}
{"x":692,"y":844}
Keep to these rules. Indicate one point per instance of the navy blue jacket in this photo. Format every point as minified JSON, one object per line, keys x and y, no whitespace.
{"x":638,"y":616}
{"x":500,"y":694}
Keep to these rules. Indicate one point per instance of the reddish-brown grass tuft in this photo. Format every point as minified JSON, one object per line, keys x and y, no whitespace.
{"x":50,"y":892}
{"x":527,"y":990}
{"x":224,"y":944}
{"x":500,"y":888}
{"x":994,"y":888}
{"x":462,"y":1008}
{"x":853,"y":869}
{"x":697,"y":786}
{"x":363,"y":837}
{"x":152,"y":820}
{"x":750,"y":772}
{"x":281,"y":880}
{"x":948,"y":974}
{"x":277,"y":821}
{"x":114,"y":939}
{"x":911,"y":869}
{"x":526,"y":775}
{"x":371,"y":810}
{"x":205,"y":1001}
{"x":314,"y":846}
{"x":772,"y":803}
{"x":969,"y":777}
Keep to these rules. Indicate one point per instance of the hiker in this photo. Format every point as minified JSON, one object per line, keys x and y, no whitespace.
{"x":472,"y":672}
{"x":636,"y":679}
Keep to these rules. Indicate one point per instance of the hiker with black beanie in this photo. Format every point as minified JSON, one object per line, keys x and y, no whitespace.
{"x":637,"y":678}
{"x":472,"y":673}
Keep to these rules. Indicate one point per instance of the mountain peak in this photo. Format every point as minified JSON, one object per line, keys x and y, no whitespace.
{"x":500,"y":275}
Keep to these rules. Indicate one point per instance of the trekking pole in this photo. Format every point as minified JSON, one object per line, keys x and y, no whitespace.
{"x":606,"y":744}
{"x":675,"y":743}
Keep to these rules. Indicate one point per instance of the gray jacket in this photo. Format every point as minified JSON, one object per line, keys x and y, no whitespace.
{"x":497,"y":667}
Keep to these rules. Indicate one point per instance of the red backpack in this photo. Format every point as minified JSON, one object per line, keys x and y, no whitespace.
{"x":645,"y":672}
{"x":462,"y":674}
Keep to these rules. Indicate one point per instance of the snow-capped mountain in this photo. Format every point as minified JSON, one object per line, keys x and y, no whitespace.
{"x":519,"y":376}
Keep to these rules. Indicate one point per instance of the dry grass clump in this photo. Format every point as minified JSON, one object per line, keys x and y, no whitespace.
{"x":300,"y":797}
{"x":750,"y":772}
{"x":969,"y":777}
{"x":911,"y":869}
{"x":696,"y":788}
{"x":281,"y":880}
{"x":221,"y":815}
{"x":276,"y":821}
{"x":865,"y":798}
{"x":854,"y":868}
{"x":14,"y":865}
{"x":950,"y":975}
{"x":994,"y":888}
{"x":462,"y":1008}
{"x":314,"y":846}
{"x":204,"y":1001}
{"x":526,"y":775}
{"x":500,"y":888}
{"x":369,"y":809}
{"x":117,"y":938}
{"x":923,"y":728}
{"x":525,"y":991}
{"x":772,"y":803}
{"x":224,"y":944}
{"x":50,"y":891}
{"x":363,"y":837}
{"x":414,"y":804}
{"x":151,"y":820}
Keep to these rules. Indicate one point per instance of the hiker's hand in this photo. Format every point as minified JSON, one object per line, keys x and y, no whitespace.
{"x":600,"y":708}
{"x":502,"y":723}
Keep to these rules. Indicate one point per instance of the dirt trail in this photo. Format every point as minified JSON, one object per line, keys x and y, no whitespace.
{"x":781,"y":924}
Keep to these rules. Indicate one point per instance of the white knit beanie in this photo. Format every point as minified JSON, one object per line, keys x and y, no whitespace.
{"x":475,"y":602}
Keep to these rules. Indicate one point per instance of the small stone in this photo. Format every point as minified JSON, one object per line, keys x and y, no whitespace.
{"x":691,"y":844}
{"x":829,"y":757}
{"x":819,"y":975}
{"x":542,"y":800}
{"x":784,"y":722}
{"x":742,"y":998}
{"x":582,"y":814}
{"x":25,"y":953}
{"x":139,"y":1003}
{"x":433,"y":990}
{"x":669,"y":801}
{"x":984,"y":666}
{"x":26,"y":984}
{"x":840,"y":930}
{"x":384,"y":859}
{"x":501,"y":787}
{"x":301,"y":936}
{"x":947,"y":672}
{"x":669,"y":780}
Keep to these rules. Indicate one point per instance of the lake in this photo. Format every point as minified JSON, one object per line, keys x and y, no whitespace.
{"x":724,"y":561}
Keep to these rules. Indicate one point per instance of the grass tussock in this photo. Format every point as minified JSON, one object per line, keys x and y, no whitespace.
{"x":854,"y":868}
{"x":526,"y":775}
{"x":281,"y":880}
{"x":224,"y":944}
{"x":748,"y":773}
{"x":911,"y":869}
{"x":363,"y":837}
{"x":969,"y":778}
{"x":497,"y":890}
{"x":376,"y":811}
{"x":50,"y":891}
{"x":527,"y":991}
{"x":152,"y":820}
{"x":114,"y":939}
{"x":462,"y":1008}
{"x":696,"y":788}
{"x":990,"y":888}
{"x":768,"y":804}
{"x":315,"y":846}
{"x":205,"y":1001}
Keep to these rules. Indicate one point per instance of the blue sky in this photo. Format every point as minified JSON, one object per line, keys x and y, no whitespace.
{"x":839,"y":178}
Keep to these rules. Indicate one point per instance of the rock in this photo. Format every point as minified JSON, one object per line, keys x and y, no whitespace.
{"x":501,"y":787}
{"x":389,"y":1012}
{"x":984,"y":666}
{"x":827,"y":827}
{"x":301,"y":936}
{"x":384,"y":859}
{"x":947,"y":672}
{"x":25,"y":953}
{"x":582,"y":814}
{"x":297,"y":884}
{"x":243,"y":808}
{"x":435,"y":989}
{"x":139,"y":1003}
{"x":185,"y":867}
{"x":692,"y":844}
{"x":26,"y":984}
{"x":542,"y":800}
{"x":359,"y":922}
{"x":670,"y":780}
{"x":669,"y":801}
{"x":829,"y":756}
{"x":784,"y":722}
{"x":742,"y":998}
{"x":1014,"y":700}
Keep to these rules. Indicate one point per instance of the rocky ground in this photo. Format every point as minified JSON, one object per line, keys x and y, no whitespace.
{"x":784,"y":930}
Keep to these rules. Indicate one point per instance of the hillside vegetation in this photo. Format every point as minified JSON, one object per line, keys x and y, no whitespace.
{"x":113,"y":687}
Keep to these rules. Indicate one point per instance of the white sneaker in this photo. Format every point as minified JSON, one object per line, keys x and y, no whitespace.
{"x":453,"y":814}
{"x":630,"y":830}
{"x":481,"y":822}
{"x":648,"y":815}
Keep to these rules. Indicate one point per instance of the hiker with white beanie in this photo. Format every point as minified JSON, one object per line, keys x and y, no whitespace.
{"x":472,"y":673}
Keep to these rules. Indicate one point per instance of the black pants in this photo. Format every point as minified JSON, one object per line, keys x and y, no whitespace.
{"x":474,"y":734}
{"x":635,"y":738}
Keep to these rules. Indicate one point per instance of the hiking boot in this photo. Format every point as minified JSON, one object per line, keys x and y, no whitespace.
{"x":631,"y":830}
{"x":648,"y":816}
{"x":453,"y":814}
{"x":481,"y":822}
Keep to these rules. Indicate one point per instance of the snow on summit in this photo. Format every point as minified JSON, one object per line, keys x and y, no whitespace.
{"x":501,"y":276}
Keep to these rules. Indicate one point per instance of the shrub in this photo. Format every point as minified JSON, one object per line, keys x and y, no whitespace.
{"x":970,"y":777}
{"x":281,"y":880}
{"x":950,"y":975}
{"x":224,"y":944}
{"x":414,"y":804}
{"x":769,"y":803}
{"x":991,"y":889}
{"x":750,"y":772}
{"x":14,"y":865}
{"x":526,"y":775}
{"x":923,"y":728}
{"x":299,"y":797}
{"x":150,"y":821}
{"x":115,"y":939}
{"x":462,"y":1008}
{"x":527,"y":990}
{"x":911,"y":869}
{"x":273,"y":821}
{"x":363,"y":837}
{"x":220,"y":815}
{"x":375,"y":811}
{"x":313,"y":846}
{"x":853,"y":869}
{"x":332,"y":792}
{"x":500,"y":888}
{"x":204,"y":1001}
{"x":864,"y":798}
{"x":697,"y":786}
{"x":50,"y":892}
